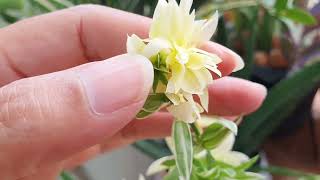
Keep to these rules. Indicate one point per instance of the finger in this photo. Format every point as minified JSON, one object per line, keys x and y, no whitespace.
{"x":231,"y":96}
{"x":231,"y":61}
{"x":46,"y":119}
{"x":81,"y":157}
{"x":47,"y":173}
{"x":228,"y":97}
{"x":70,"y":37}
{"x":225,"y":95}
{"x":157,"y":126}
{"x":153,"y":127}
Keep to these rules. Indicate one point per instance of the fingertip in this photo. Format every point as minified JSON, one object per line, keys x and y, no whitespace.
{"x":238,"y":61}
{"x":231,"y":62}
{"x":146,"y":68}
{"x":116,"y":83}
{"x":255,"y":100}
{"x":231,"y":96}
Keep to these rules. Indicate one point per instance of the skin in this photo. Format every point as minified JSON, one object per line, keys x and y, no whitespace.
{"x":65,"y":98}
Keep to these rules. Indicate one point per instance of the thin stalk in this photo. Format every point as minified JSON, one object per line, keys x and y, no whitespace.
{"x":196,"y":131}
{"x":250,"y":47}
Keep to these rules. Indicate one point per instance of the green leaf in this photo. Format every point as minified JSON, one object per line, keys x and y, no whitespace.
{"x":194,"y":175}
{"x":153,"y":103}
{"x":169,"y":163}
{"x":209,"y":8}
{"x":159,"y":77}
{"x":216,"y":140}
{"x":230,"y":125}
{"x":172,"y":175}
{"x":11,"y":4}
{"x":159,"y":62}
{"x":183,"y":148}
{"x":280,"y":4}
{"x":60,"y":4}
{"x":163,"y":78}
{"x":212,"y":131}
{"x":249,"y":176}
{"x":250,"y":46}
{"x":278,"y":105}
{"x":65,"y":176}
{"x":222,"y":34}
{"x":246,"y":165}
{"x":156,"y":80}
{"x":216,"y":132}
{"x":3,"y":22}
{"x":299,"y":16}
{"x":267,"y":30}
{"x":8,"y":17}
{"x":43,"y":5}
{"x":198,"y":164}
{"x":276,"y":170}
{"x":209,"y":160}
{"x":143,"y":114}
{"x":158,"y":165}
{"x":131,"y":5}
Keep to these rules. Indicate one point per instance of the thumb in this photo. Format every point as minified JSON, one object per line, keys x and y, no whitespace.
{"x":45,"y":119}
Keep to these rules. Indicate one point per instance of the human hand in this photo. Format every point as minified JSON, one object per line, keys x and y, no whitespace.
{"x":60,"y":106}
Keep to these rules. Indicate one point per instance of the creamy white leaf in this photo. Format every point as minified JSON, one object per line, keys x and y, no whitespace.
{"x":154,"y":47}
{"x":183,"y":151}
{"x":135,"y":45}
{"x":204,"y":100}
{"x":157,"y":166}
{"x":183,"y":112}
{"x":210,"y":27}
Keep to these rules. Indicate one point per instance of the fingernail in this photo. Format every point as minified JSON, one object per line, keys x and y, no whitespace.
{"x":262,"y":89}
{"x":225,"y":52}
{"x":117,"y":82}
{"x":239,"y":63}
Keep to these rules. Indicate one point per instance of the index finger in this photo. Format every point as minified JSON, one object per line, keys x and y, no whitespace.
{"x":67,"y":38}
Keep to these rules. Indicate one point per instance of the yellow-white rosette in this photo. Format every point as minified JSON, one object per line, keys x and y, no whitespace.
{"x":172,"y":47}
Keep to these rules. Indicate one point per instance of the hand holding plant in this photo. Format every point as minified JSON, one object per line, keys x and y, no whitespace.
{"x":50,"y":120}
{"x":182,"y":71}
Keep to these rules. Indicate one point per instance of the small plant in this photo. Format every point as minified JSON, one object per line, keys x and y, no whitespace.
{"x":181,"y":70}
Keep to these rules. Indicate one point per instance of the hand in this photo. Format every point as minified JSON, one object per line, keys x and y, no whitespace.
{"x":61,"y":102}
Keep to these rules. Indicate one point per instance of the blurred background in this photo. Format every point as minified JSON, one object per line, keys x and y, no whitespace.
{"x":279,"y":41}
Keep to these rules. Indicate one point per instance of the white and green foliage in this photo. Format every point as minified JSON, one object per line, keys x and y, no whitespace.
{"x":216,"y":161}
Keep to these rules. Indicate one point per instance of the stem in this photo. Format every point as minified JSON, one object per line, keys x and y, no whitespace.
{"x":250,"y":44}
{"x":196,"y":131}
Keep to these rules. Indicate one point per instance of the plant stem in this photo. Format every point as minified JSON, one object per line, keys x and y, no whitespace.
{"x":250,"y":44}
{"x":196,"y":131}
